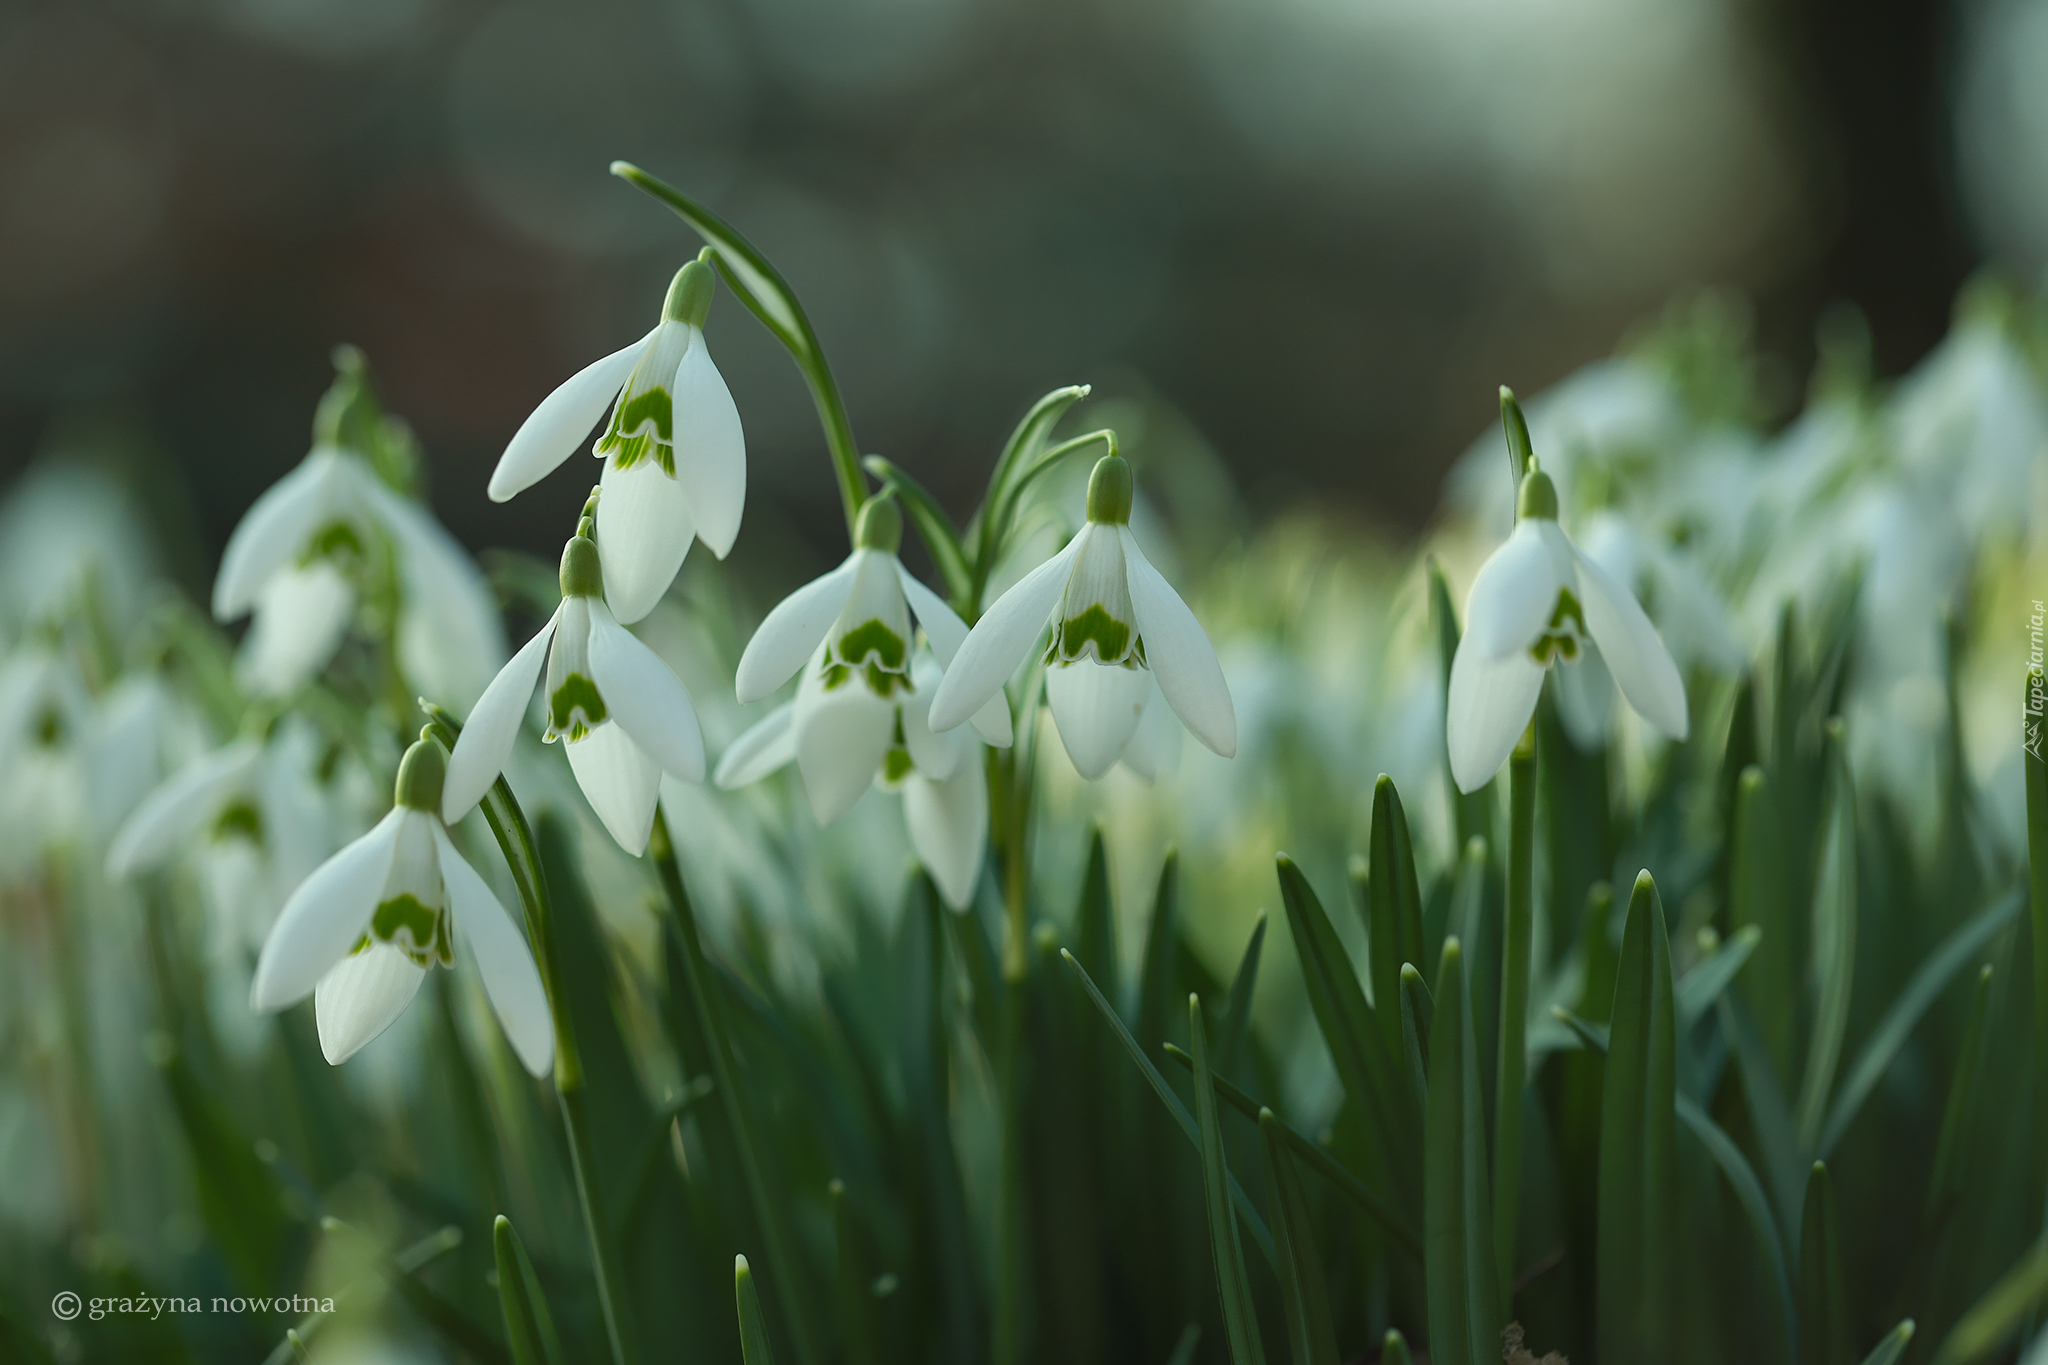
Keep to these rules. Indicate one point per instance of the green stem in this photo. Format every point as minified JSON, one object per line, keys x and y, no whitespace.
{"x":1514,"y":1009}
{"x":603,"y":1254}
{"x":995,"y":525}
{"x":724,"y":1076}
{"x":1011,"y":1320}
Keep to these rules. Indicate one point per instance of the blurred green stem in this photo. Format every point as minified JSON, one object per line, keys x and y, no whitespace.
{"x":724,"y":1076}
{"x":1514,"y":1008}
{"x":1015,"y":772}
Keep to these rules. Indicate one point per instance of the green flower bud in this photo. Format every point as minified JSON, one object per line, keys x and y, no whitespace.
{"x":689,"y":294}
{"x":581,"y":574}
{"x":880,"y":526}
{"x":1110,"y":489}
{"x":420,"y":773}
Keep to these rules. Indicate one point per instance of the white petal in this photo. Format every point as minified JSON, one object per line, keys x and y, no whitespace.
{"x":361,"y":996}
{"x":271,"y":534}
{"x":936,"y":756}
{"x":1516,"y":590}
{"x":620,"y":782}
{"x":181,"y":807}
{"x":1641,"y":665}
{"x":992,"y":721}
{"x":1585,"y":698}
{"x":1096,"y":707}
{"x":324,"y":917}
{"x":769,"y":744}
{"x":503,"y":959}
{"x":644,"y":529}
{"x":841,"y":739}
{"x":948,"y":825}
{"x":486,"y":739}
{"x":1154,"y":748}
{"x":711,"y":450}
{"x":1000,"y":640}
{"x":1489,"y":706}
{"x":301,"y":615}
{"x":1178,"y":652}
{"x":562,"y":420}
{"x":645,"y":697}
{"x":451,"y":638}
{"x":791,"y":632}
{"x":942,"y":625}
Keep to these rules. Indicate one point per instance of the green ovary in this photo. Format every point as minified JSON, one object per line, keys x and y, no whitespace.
{"x":337,"y":540}
{"x":415,"y":929}
{"x":576,"y":707}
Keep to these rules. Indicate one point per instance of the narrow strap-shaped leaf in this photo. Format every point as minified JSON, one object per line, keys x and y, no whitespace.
{"x":2005,"y":1307}
{"x":1702,"y":985}
{"x":1893,"y":1345}
{"x":1511,"y":1057}
{"x":1920,"y":992}
{"x":1306,"y":1294}
{"x":1944,"y":1182}
{"x":1638,"y":1135}
{"x":1184,"y":1349}
{"x":1347,"y":1023}
{"x":529,"y":1327}
{"x":1823,"y":1289}
{"x":1094,"y":925}
{"x":1159,"y":971}
{"x":1458,"y":1269}
{"x":991,"y":523}
{"x":1417,"y":1012}
{"x":860,"y":1332}
{"x":754,"y":1347}
{"x":1233,"y":1285}
{"x":1757,"y":897}
{"x":1245,"y":1207}
{"x":1834,"y":943}
{"x":2036,"y":768}
{"x":1756,"y":1206}
{"x":932,"y":524}
{"x":1770,"y":1117}
{"x":1314,"y":1154}
{"x":1394,"y":1350}
{"x":1237,"y":1015}
{"x":1393,"y":900}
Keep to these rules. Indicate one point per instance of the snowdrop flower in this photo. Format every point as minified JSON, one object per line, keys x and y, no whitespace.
{"x":1539,"y":599}
{"x":1117,"y":627}
{"x":1973,"y":413}
{"x":361,"y":932}
{"x":675,"y":459}
{"x":301,"y":556}
{"x":252,"y":814}
{"x":623,"y":716}
{"x":860,"y":713}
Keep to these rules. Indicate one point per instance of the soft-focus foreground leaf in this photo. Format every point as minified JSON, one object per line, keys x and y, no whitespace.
{"x":1756,"y":1205}
{"x":1233,"y":1285}
{"x":1310,"y":1337}
{"x":1702,"y":985}
{"x":2001,"y":1312}
{"x":1393,"y":907}
{"x":1823,"y":1290}
{"x":1834,"y":943}
{"x":754,"y":1347}
{"x":1463,"y":1297}
{"x":239,"y":1196}
{"x":1237,"y":1016}
{"x":1891,"y":1346}
{"x":1394,"y":1350}
{"x":529,"y":1327}
{"x":1945,"y":1181}
{"x":1637,"y":1194}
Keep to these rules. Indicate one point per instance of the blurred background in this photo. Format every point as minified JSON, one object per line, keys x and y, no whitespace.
{"x":1322,"y":230}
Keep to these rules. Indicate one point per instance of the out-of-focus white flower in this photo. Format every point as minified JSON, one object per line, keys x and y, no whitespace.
{"x":623,"y":716}
{"x":45,"y":722}
{"x":360,"y":933}
{"x":300,"y":557}
{"x":675,"y":458}
{"x":70,"y":529}
{"x":845,"y":738}
{"x":1972,"y":413}
{"x":250,"y":812}
{"x":1118,"y":627}
{"x":1537,"y":599}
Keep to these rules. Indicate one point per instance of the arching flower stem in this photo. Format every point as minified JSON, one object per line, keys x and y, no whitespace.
{"x":509,"y":826}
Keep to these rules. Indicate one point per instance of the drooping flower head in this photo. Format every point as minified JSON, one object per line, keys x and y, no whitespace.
{"x":622,"y":715}
{"x":859,"y":718}
{"x":1117,"y":628}
{"x":675,"y":458}
{"x":361,"y":932}
{"x":1540,"y":600}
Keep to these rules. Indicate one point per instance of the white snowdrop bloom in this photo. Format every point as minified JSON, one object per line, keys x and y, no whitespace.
{"x":845,"y":738}
{"x":1117,"y":628}
{"x":360,"y":933}
{"x":252,"y":816}
{"x":301,"y":555}
{"x":623,"y":716}
{"x":1973,"y":412}
{"x":1540,"y":599}
{"x":675,"y":459}
{"x":46,"y":721}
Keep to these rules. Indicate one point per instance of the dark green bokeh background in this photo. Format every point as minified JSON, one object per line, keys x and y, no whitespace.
{"x":1325,"y":230}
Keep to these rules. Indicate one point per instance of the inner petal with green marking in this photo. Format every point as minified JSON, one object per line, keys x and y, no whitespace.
{"x":643,"y":420}
{"x":417,"y":929}
{"x":239,"y":820}
{"x":575,"y":708}
{"x":1563,"y":635}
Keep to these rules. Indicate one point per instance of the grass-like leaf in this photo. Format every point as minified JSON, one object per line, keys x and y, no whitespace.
{"x":754,"y":1347}
{"x":529,"y":1327}
{"x":1834,"y":943}
{"x":1311,"y":1338}
{"x":1756,"y":1206}
{"x":1701,"y":986}
{"x":1418,"y":1012}
{"x":1945,"y":1182}
{"x":1993,"y":1319}
{"x":1637,"y":1181}
{"x":1237,"y":1015}
{"x":1240,"y":1318}
{"x":1823,"y":1288}
{"x":1458,"y":1263}
{"x":1893,"y":1345}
